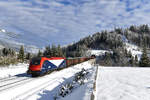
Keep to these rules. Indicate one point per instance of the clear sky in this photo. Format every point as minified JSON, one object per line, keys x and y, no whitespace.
{"x":43,"y":22}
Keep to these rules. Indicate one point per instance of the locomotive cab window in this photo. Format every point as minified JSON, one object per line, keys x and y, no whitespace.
{"x":35,"y":61}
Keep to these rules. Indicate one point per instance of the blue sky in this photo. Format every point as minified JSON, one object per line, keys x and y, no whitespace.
{"x":43,"y":22}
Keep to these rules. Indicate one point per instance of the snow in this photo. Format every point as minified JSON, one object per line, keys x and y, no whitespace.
{"x":12,"y":70}
{"x":45,"y":87}
{"x":112,"y":83}
{"x":98,"y":52}
{"x":84,"y":91}
{"x":2,"y":30}
{"x":123,"y":83}
{"x":124,"y":39}
{"x":135,"y":50}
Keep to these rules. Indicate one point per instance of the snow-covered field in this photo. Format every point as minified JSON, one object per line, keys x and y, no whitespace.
{"x":46,"y":87}
{"x":123,"y":83}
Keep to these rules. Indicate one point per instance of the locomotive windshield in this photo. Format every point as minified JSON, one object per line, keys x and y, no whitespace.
{"x":35,"y":61}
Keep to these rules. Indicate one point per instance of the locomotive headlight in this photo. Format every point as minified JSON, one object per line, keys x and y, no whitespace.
{"x":49,"y":66}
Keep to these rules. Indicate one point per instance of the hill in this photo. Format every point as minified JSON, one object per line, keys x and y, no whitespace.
{"x":106,"y":40}
{"x":126,"y":45}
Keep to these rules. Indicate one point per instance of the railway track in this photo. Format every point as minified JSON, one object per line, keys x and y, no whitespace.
{"x":13,"y":77}
{"x":27,"y":94}
{"x":6,"y":78}
{"x":11,"y":83}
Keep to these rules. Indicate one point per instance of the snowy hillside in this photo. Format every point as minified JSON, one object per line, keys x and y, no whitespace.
{"x":123,"y":83}
{"x":135,"y":50}
{"x":97,"y":52}
{"x":11,"y":40}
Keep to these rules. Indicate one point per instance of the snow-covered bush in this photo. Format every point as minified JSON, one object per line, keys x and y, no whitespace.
{"x":67,"y":88}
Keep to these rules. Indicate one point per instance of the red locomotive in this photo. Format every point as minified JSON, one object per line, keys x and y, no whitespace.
{"x":41,"y":65}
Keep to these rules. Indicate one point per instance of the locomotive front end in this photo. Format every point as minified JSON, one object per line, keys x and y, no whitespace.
{"x":35,"y":66}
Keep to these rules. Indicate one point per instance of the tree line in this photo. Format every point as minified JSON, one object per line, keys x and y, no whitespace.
{"x":10,"y":56}
{"x":52,"y":51}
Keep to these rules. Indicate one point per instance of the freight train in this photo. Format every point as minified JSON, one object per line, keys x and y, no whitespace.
{"x":42,"y":65}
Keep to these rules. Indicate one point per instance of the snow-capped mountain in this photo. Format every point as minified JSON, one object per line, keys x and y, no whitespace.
{"x":9,"y":40}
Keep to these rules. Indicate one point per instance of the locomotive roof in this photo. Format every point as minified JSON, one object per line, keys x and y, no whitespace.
{"x":48,"y":57}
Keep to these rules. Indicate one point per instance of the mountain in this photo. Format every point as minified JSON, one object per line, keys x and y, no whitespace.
{"x":121,"y":47}
{"x":11,"y":40}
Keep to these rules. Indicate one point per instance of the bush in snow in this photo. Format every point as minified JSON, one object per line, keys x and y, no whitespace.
{"x":76,"y":82}
{"x":65,"y":89}
{"x":80,"y":76}
{"x":4,"y":61}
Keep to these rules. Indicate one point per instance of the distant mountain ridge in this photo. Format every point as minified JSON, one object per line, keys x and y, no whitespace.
{"x":9,"y":40}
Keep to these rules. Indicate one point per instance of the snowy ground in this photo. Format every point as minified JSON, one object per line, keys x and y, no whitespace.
{"x":123,"y":83}
{"x":13,"y":70}
{"x":43,"y":88}
{"x":113,"y":83}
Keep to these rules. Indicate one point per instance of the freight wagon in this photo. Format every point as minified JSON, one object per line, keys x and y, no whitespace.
{"x":42,"y":65}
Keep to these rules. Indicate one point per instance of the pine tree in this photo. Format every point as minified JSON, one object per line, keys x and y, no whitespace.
{"x":5,"y":51}
{"x":28,"y":56}
{"x":21,"y":54}
{"x":132,"y":61}
{"x":129,"y":54}
{"x":39,"y":53}
{"x":133,"y":28}
{"x":60,"y":53}
{"x":54,"y":51}
{"x":47,"y":51}
{"x":126,"y":52}
{"x":136,"y":60}
{"x":12,"y":52}
{"x":144,"y":61}
{"x":107,"y":60}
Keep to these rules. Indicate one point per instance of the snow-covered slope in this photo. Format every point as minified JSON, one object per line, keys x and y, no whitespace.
{"x":97,"y":52}
{"x":123,"y":83}
{"x":135,"y":50}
